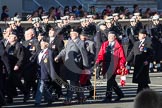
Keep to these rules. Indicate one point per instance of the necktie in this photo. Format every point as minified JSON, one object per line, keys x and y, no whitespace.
{"x":140,"y":44}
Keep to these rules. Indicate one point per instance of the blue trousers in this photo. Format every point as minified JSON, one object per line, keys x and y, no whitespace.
{"x":43,"y":89}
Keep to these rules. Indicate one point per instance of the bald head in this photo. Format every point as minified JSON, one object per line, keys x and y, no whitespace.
{"x":29,"y":34}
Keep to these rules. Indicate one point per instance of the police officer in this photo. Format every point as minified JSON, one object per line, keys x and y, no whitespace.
{"x":117,"y":26}
{"x":132,"y":30}
{"x":65,"y":31}
{"x":20,"y":29}
{"x":156,"y":35}
{"x":37,"y":26}
{"x":91,"y":26}
{"x":45,"y":24}
{"x":138,"y":17}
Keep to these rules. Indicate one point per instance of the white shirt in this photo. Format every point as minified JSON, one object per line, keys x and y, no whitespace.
{"x":41,"y":55}
{"x":141,"y":42}
{"x":51,"y":39}
{"x":111,"y":44}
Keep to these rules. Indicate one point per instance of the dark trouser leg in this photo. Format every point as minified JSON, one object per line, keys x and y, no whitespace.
{"x":17,"y":82}
{"x":89,"y":87}
{"x":10,"y":89}
{"x":47,"y":92}
{"x":2,"y":101}
{"x":72,"y":88}
{"x":110,"y":87}
{"x":142,"y":86}
{"x":112,"y":84}
{"x":58,"y":89}
{"x":117,"y":90}
{"x":29,"y":85}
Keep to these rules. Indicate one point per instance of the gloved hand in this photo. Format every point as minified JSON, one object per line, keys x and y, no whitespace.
{"x":98,"y":70}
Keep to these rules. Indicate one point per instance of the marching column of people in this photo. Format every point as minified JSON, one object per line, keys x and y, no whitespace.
{"x":40,"y":56}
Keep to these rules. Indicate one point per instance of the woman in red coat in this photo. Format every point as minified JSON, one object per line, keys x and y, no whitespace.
{"x":112,"y":57}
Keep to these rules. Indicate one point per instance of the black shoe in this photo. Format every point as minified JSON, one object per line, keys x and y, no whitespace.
{"x":159,"y":69}
{"x":49,"y":103}
{"x":81,"y":100}
{"x":151,"y":70}
{"x":89,"y":97}
{"x":9,"y":100}
{"x":118,"y":98}
{"x":3,"y":103}
{"x":37,"y":105}
{"x":106,"y":100}
{"x":26,"y":97}
{"x":67,"y":102}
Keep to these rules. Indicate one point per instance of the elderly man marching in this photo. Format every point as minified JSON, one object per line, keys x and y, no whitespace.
{"x":112,"y":56}
{"x":75,"y":62}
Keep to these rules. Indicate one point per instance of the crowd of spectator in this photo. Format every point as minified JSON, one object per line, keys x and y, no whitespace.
{"x":77,"y":12}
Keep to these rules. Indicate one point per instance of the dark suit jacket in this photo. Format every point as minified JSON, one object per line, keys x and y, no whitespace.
{"x":141,"y":71}
{"x":30,"y":67}
{"x":16,"y":55}
{"x":56,"y":46}
{"x":47,"y":70}
{"x":4,"y":61}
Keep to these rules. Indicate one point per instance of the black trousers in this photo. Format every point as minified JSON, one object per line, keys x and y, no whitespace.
{"x":89,"y":87}
{"x":142,"y":86}
{"x":73,"y":87}
{"x":30,"y":85}
{"x":112,"y":85}
{"x":57,"y":88}
{"x":2,"y":100}
{"x":13,"y":81}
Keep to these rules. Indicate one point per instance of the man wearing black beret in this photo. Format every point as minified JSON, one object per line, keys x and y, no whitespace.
{"x":141,"y":54}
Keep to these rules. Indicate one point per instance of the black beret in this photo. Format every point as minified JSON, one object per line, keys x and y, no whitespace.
{"x":44,"y":39}
{"x":74,"y":29}
{"x":84,"y":33}
{"x":13,"y":32}
{"x":143,"y":31}
{"x":112,"y":32}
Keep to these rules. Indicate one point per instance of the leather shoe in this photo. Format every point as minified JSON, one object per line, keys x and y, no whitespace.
{"x":106,"y":100}
{"x":118,"y":98}
{"x":37,"y":105}
{"x":9,"y":100}
{"x":67,"y":102}
{"x":81,"y":100}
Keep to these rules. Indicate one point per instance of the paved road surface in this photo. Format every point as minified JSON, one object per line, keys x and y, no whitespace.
{"x":127,"y":102}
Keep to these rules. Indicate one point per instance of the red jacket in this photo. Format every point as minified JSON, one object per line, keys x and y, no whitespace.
{"x":118,"y":57}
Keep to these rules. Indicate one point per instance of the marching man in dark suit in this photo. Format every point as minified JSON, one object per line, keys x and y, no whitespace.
{"x":31,"y":46}
{"x":56,"y":44}
{"x":4,"y":63}
{"x":141,"y":54}
{"x":16,"y":59}
{"x":46,"y":73}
